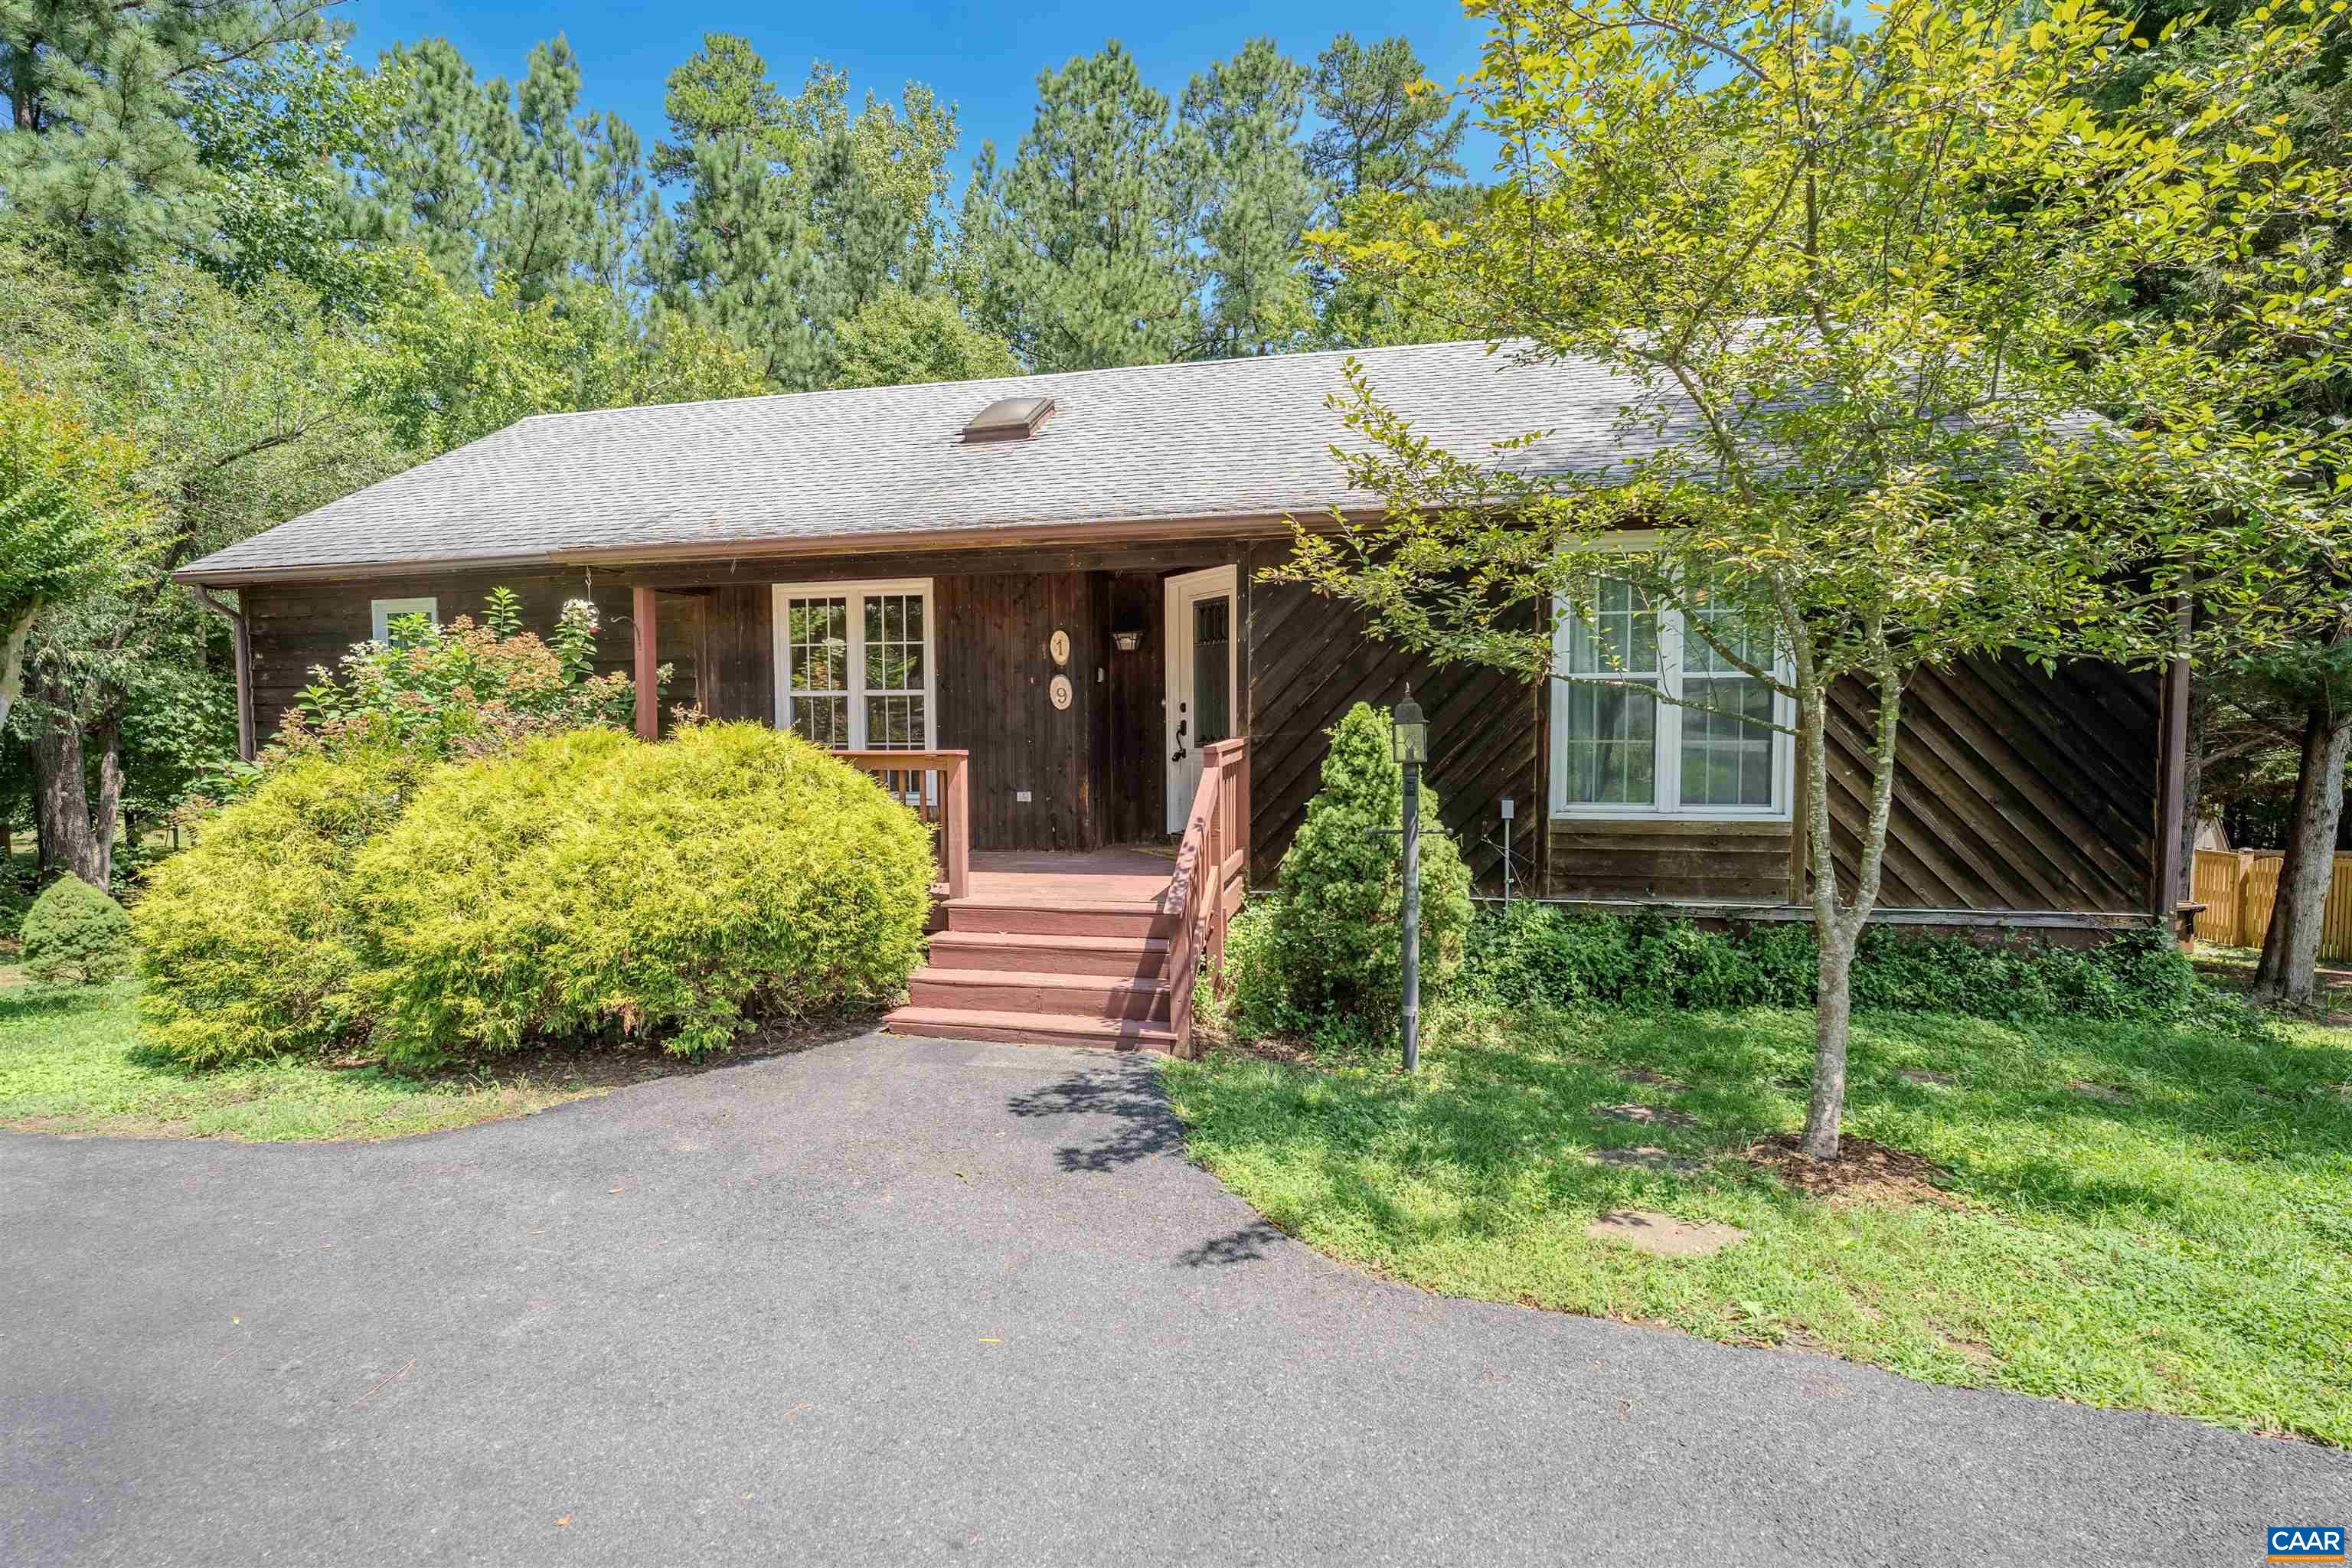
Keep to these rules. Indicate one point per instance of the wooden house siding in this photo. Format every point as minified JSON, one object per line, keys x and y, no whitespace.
{"x":1310,"y":660}
{"x":2016,"y":790}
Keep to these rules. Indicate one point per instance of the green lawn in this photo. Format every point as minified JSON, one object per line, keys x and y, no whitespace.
{"x":2180,"y":1242}
{"x":71,"y":1062}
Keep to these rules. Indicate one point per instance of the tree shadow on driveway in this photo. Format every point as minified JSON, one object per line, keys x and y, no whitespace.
{"x":1142,"y":1125}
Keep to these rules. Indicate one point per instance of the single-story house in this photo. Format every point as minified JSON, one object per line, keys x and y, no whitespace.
{"x":1058,"y":577}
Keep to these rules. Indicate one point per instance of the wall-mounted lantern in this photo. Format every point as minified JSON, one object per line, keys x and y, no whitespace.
{"x":1128,"y":638}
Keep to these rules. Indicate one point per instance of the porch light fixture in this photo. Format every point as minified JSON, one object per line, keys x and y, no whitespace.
{"x":1126,"y":639}
{"x":1009,"y":419}
{"x":1412,"y":733}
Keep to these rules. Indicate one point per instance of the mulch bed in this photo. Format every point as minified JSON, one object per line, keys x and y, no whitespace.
{"x":1865,"y":1171}
{"x":599,"y":1065}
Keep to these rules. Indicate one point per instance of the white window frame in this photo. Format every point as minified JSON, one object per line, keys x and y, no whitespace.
{"x":381,"y":612}
{"x":1666,"y":805}
{"x":857,"y":593}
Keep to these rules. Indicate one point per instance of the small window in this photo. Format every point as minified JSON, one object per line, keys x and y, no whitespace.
{"x":1009,"y":419}
{"x":1650,"y":719}
{"x":381,"y":612}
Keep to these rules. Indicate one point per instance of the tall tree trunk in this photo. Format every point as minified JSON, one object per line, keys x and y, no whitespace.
{"x":74,"y":830}
{"x":104,"y":814}
{"x":2290,"y":959}
{"x":61,"y":800}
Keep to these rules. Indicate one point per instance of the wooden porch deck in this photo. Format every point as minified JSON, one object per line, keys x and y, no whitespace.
{"x":1117,"y":876}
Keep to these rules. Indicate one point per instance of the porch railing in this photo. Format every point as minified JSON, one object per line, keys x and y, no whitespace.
{"x":1212,"y":875}
{"x":936,"y":786}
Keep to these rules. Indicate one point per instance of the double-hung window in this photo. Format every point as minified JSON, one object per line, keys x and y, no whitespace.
{"x":854,"y":670}
{"x":1650,"y":719}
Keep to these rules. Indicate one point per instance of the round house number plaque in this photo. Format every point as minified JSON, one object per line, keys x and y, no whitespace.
{"x":1060,"y":690}
{"x":1059,"y":647}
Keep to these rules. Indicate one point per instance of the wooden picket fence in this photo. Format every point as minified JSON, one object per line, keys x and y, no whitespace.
{"x":2237,"y":888}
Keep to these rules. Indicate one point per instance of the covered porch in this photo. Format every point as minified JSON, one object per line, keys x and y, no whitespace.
{"x":1083,"y":686}
{"x":1067,"y":736}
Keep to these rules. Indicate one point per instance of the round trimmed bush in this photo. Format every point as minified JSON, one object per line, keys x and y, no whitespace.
{"x":248,"y":937}
{"x":590,"y":884}
{"x":74,"y":933}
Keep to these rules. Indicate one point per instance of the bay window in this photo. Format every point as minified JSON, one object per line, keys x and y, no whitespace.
{"x":1648,"y":719}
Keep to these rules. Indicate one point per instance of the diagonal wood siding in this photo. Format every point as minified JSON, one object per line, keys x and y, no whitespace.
{"x":2013,"y":789}
{"x":1310,"y":660}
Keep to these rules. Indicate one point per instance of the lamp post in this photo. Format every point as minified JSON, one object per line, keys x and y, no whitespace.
{"x":1412,"y":743}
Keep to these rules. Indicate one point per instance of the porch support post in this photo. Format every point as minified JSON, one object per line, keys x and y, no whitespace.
{"x":641,"y":599}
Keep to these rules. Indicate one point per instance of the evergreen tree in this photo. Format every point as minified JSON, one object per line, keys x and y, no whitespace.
{"x":100,"y":164}
{"x":1387,"y":134}
{"x":497,"y":182}
{"x":1240,"y":119}
{"x":798,"y":211}
{"x":1386,"y":129}
{"x":1079,"y":252}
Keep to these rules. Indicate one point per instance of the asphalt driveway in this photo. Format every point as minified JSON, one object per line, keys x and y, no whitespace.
{"x":915,"y":1302}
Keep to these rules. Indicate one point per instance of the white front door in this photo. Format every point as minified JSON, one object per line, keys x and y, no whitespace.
{"x":1203,"y":694}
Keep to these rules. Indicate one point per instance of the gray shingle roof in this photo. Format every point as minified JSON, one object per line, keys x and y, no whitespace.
{"x":1234,"y":438}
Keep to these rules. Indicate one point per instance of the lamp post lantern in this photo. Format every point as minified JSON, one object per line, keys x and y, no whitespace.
{"x":1411,"y":752}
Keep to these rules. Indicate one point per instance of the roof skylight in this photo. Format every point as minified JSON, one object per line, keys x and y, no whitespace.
{"x":1009,"y":419}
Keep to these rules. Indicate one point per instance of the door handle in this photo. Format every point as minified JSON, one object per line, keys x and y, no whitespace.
{"x":1179,"y":741}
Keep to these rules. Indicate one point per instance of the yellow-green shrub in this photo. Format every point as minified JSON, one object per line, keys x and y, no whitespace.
{"x":592,"y":884}
{"x":247,"y":938}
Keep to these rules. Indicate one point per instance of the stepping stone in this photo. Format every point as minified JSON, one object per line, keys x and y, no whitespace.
{"x":1648,"y":1157}
{"x":1647,"y":1115}
{"x":2098,"y":1091}
{"x":1662,"y":1235}
{"x":1655,"y":1081}
{"x":1931,"y":1080}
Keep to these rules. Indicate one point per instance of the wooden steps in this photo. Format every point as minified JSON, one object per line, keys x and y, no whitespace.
{"x":1046,"y":971}
{"x":1030,"y":1029}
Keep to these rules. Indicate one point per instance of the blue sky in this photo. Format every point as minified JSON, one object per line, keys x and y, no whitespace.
{"x":984,"y":57}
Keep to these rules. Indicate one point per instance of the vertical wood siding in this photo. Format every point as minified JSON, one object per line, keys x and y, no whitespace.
{"x":1136,"y":795}
{"x":994,"y":678}
{"x":2015,"y":789}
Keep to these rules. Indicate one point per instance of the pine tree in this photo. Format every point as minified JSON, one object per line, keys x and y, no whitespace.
{"x":1385,"y":130}
{"x":497,"y":182}
{"x":1079,"y":252}
{"x":100,"y":165}
{"x":1388,"y":140}
{"x":798,"y":211}
{"x":737,"y":257}
{"x":1241,"y":122}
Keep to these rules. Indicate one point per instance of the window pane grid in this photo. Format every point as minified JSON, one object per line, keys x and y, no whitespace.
{"x":857,"y":669}
{"x":1726,"y":758}
{"x":1624,"y":742}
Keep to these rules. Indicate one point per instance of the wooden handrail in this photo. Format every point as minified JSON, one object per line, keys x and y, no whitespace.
{"x":1211,"y":878}
{"x":937,"y":787}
